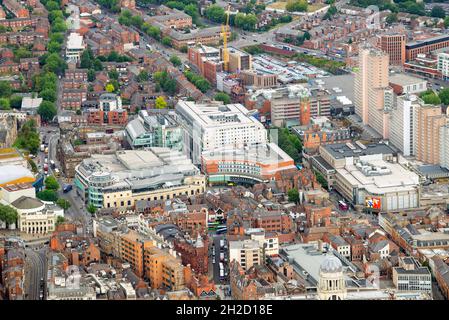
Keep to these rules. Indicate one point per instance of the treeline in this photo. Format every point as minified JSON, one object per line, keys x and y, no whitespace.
{"x":198,"y":81}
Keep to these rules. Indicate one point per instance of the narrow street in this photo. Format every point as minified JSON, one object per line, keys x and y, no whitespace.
{"x":35,"y":273}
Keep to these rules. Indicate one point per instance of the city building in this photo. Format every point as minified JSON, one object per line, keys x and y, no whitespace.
{"x":35,"y":216}
{"x":245,"y":252}
{"x":332,"y":280}
{"x":370,"y":176}
{"x":372,"y":94}
{"x":121,"y":179}
{"x":207,"y":60}
{"x":444,"y":146}
{"x":405,"y":84}
{"x":443,"y":64}
{"x":253,"y":164}
{"x":238,"y":60}
{"x":394,"y":45}
{"x":411,"y":276}
{"x":413,"y":49}
{"x":429,"y":121}
{"x":403,"y":124}
{"x":154,"y":129}
{"x":74,"y":47}
{"x":207,"y":127}
{"x":288,"y":106}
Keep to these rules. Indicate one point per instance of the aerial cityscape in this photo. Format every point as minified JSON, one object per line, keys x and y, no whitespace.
{"x":224,"y":150}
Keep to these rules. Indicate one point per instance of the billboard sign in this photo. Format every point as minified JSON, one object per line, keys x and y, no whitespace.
{"x":373,"y":203}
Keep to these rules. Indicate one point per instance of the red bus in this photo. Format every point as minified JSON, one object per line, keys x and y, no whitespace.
{"x":343,"y":206}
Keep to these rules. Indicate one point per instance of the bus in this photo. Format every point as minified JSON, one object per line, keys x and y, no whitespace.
{"x":212,"y":225}
{"x":342,"y":205}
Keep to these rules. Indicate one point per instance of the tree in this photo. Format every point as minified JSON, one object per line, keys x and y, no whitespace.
{"x":392,"y":18}
{"x":51,"y":183}
{"x":438,"y":12}
{"x":293,"y":195}
{"x":296,"y":6}
{"x":321,"y":180}
{"x":28,"y":137}
{"x":113,"y":74}
{"x":143,"y":76}
{"x":192,"y":10}
{"x":4,"y":104}
{"x":215,"y":13}
{"x":8,"y":214}
{"x":221,"y":96}
{"x":110,"y":87}
{"x":446,"y":22}
{"x":444,"y":96}
{"x":15,"y":102}
{"x":431,"y":98}
{"x":166,"y":41}
{"x":175,"y":60}
{"x":60,"y":219}
{"x":91,"y":75}
{"x":91,"y":209}
{"x":52,"y":6}
{"x":160,"y":103}
{"x":63,"y":203}
{"x":47,"y":195}
{"x":86,"y":59}
{"x":48,"y":94}
{"x":47,"y":110}
{"x":54,"y":63}
{"x":5,"y":89}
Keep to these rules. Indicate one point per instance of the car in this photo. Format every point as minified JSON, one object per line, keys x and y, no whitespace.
{"x":254,"y":40}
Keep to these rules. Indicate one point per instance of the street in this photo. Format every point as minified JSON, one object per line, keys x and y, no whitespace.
{"x":35,"y":274}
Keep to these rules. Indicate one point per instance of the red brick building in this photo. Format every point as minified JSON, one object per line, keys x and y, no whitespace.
{"x":194,"y":253}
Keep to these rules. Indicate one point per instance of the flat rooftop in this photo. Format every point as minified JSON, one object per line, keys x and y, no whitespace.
{"x":404,"y":79}
{"x":344,"y":150}
{"x":213,"y":115}
{"x":397,"y":179}
{"x":307,"y":258}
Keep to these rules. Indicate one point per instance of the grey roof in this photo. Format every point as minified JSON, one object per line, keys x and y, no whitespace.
{"x":135,"y":128}
{"x":341,"y":150}
{"x":375,"y":247}
{"x":27,"y":203}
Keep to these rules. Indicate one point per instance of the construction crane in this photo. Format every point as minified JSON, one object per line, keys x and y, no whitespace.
{"x":224,"y":32}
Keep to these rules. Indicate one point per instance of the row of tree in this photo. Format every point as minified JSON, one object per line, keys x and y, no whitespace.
{"x":198,"y":81}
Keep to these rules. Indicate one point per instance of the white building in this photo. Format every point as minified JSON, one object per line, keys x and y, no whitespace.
{"x":332,"y":280}
{"x":110,"y":102}
{"x":443,"y":64}
{"x":210,"y":126}
{"x":403,"y":124}
{"x":245,"y":252}
{"x":75,"y":46}
{"x":268,"y":242}
{"x":30,"y":104}
{"x":411,"y":276}
{"x":34,"y":216}
{"x":444,"y":146}
{"x":407,"y":84}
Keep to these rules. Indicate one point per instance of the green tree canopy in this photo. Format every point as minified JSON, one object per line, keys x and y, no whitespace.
{"x":222,"y":96}
{"x":47,"y":110}
{"x":51,"y":183}
{"x":8,"y":214}
{"x":293,"y":195}
{"x":47,"y":195}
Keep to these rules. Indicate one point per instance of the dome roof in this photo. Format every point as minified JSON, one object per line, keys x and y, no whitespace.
{"x":331,"y":264}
